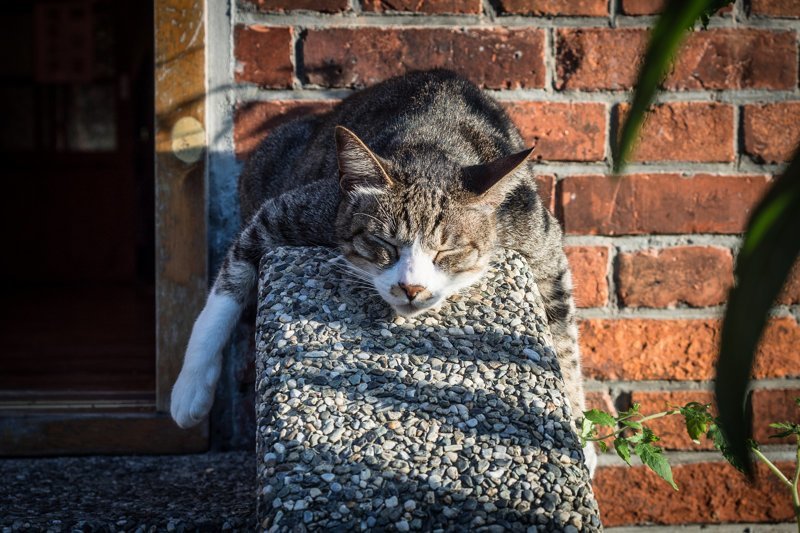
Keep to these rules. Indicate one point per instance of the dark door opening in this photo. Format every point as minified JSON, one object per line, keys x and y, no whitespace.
{"x":77,"y":304}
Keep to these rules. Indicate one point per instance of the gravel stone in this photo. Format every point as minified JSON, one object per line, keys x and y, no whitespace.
{"x":458,"y":413}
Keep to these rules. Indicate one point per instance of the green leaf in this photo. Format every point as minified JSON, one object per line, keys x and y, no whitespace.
{"x":632,"y":424}
{"x":668,"y":33}
{"x":721,"y":443}
{"x":787,"y":427}
{"x":696,"y":428}
{"x":600,"y":418}
{"x":636,"y":437}
{"x":797,"y":401}
{"x":649,"y":436}
{"x":655,"y":460}
{"x":770,"y":248}
{"x":623,"y":449}
{"x":587,"y":430}
{"x":697,"y":420}
{"x":634,"y":410}
{"x":603,"y":446}
{"x":697,"y":406}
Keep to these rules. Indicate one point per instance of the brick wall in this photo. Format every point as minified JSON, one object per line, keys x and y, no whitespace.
{"x":653,"y":253}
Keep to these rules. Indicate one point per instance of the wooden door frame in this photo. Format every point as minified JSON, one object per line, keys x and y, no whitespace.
{"x":181,"y":266}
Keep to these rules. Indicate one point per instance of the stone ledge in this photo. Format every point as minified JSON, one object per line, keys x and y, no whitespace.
{"x":450,"y":421}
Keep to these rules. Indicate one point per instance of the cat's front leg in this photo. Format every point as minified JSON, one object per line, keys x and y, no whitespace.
{"x":287,"y":219}
{"x":193,"y":393}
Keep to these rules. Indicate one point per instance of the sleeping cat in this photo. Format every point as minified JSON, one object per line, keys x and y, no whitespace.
{"x":417,"y":181}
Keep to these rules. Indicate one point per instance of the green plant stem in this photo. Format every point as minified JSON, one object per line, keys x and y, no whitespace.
{"x":795,"y":495}
{"x":772,"y":467}
{"x":791,"y":484}
{"x":620,"y":430}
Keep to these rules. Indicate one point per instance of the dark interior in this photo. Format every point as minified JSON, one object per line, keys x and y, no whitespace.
{"x":77,"y":302}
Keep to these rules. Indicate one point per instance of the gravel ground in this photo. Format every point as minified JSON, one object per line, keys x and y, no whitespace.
{"x":210,"y":492}
{"x":453,"y":421}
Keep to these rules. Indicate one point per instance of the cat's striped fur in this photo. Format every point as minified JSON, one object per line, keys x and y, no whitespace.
{"x":412,"y":173}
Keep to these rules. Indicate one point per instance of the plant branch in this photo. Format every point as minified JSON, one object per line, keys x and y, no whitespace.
{"x":772,"y":467}
{"x":643,"y":419}
{"x":795,"y":495}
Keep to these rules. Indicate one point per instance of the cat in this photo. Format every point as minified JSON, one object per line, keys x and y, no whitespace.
{"x":417,"y":181}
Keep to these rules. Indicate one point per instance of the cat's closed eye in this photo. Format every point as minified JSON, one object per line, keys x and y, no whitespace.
{"x":385,"y":243}
{"x":457,"y":259}
{"x":375,"y":249}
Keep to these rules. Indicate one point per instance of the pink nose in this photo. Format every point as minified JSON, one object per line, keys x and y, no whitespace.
{"x":411,"y":290}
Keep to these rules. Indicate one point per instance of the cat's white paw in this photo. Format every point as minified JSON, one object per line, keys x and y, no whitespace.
{"x":590,"y":456}
{"x":192,"y":397}
{"x":193,"y":394}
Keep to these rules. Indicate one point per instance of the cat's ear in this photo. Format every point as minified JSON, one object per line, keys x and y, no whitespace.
{"x":481,"y":180}
{"x":359,"y":167}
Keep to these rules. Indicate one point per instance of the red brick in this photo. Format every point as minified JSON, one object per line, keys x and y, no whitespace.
{"x":672,"y":429}
{"x":635,"y":349}
{"x":774,"y":405}
{"x":562,"y":131}
{"x":601,"y":400}
{"x":324,"y":6}
{"x":652,"y":7}
{"x":736,"y":59}
{"x":598,"y":58}
{"x":685,"y":131}
{"x":638,"y":204}
{"x":697,"y":276}
{"x":683,"y":349}
{"x":425,"y":6}
{"x":546,"y":187}
{"x":589,"y":265}
{"x":779,"y":350}
{"x":587,"y":8}
{"x":642,"y":7}
{"x":263,"y":55}
{"x":254,"y":120}
{"x":791,"y":289}
{"x":604,"y":58}
{"x":771,"y":131}
{"x":775,"y":8}
{"x":497,"y":58}
{"x":709,"y":493}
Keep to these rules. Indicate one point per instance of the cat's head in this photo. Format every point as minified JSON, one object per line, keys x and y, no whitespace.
{"x":418,"y":229}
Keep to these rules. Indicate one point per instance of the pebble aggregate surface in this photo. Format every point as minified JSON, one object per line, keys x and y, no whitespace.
{"x":454,"y":420}
{"x":201,"y":492}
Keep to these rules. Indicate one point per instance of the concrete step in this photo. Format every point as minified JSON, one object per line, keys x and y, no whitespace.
{"x":202,"y":492}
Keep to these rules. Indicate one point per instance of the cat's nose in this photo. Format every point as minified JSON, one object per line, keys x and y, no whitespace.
{"x":411,"y":290}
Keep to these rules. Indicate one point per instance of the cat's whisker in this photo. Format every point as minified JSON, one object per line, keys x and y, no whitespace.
{"x":379,"y":221}
{"x":358,"y":271}
{"x":347,"y":270}
{"x":360,"y":285}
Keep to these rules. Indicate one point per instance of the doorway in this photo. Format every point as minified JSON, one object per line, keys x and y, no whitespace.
{"x":84,"y":368}
{"x":77,"y":304}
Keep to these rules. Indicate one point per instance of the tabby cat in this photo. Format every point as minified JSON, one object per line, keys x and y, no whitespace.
{"x":417,"y":181}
